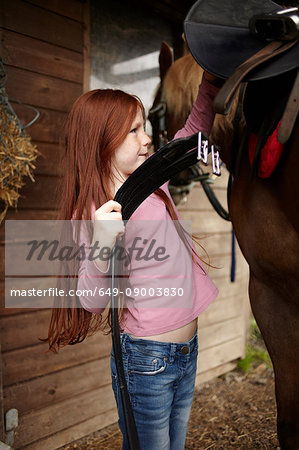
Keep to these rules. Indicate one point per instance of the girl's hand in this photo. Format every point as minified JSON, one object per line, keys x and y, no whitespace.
{"x":212,"y":79}
{"x":108,"y":224}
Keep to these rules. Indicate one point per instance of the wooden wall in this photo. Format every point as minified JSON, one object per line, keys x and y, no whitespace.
{"x":59,"y":397}
{"x":63,"y":397}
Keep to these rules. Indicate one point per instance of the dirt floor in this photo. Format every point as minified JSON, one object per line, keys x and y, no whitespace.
{"x":236,"y":410}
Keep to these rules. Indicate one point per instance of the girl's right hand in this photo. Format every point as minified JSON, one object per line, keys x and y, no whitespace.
{"x":108,"y":224}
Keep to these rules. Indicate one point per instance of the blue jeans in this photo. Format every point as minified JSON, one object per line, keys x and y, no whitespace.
{"x":160,"y":378}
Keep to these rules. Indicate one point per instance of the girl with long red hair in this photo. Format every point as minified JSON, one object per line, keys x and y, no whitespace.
{"x":105,"y":142}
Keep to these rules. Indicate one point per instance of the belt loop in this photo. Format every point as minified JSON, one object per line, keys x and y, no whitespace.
{"x":172,"y":352}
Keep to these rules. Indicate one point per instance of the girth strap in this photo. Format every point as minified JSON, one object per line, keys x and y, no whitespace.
{"x":224,"y":98}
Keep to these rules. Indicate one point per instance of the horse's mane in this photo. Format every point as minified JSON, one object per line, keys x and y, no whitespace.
{"x":180,"y":86}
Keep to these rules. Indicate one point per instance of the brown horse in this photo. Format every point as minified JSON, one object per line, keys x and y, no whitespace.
{"x":265,"y":216}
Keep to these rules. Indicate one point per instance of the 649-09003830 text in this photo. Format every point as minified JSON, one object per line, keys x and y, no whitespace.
{"x":129,"y":292}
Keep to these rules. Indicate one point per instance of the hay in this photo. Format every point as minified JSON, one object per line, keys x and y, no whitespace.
{"x":17,"y":155}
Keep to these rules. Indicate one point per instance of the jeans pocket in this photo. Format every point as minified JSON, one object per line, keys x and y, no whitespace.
{"x":141,"y":364}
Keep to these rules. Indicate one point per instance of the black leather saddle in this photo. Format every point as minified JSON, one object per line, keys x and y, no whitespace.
{"x":220,"y":40}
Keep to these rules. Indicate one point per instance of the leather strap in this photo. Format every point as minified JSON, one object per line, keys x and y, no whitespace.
{"x":290,"y":114}
{"x":225,"y":96}
{"x":167,"y":162}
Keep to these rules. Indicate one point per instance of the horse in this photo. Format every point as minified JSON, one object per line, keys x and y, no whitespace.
{"x":172,"y":104}
{"x":265,"y":216}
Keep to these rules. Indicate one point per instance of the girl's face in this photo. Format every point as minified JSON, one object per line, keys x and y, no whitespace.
{"x":132,"y":152}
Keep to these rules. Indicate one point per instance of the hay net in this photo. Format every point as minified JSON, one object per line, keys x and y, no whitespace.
{"x":17,"y":153}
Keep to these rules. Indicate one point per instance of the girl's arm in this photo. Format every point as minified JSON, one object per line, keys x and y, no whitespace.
{"x":93,"y":280}
{"x":91,"y":284}
{"x":202,"y":115}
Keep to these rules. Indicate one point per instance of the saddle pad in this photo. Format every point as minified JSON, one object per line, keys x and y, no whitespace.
{"x":270,"y":154}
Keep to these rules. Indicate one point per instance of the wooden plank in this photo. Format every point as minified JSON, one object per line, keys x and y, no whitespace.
{"x":197,"y":200}
{"x":37,"y":56}
{"x":58,"y":386}
{"x":222,"y":265}
{"x":215,"y":244}
{"x":221,"y":310}
{"x":227,"y":289}
{"x":24,"y":329}
{"x":220,"y":354}
{"x":13,"y":214}
{"x":42,"y":24}
{"x":208,"y":375}
{"x":71,"y":8}
{"x":41,"y":90}
{"x":42,"y":194}
{"x":41,"y":423}
{"x":220,"y":332}
{"x":206,"y":223}
{"x":223,"y":260}
{"x":30,"y":362}
{"x":33,"y":214}
{"x":49,"y":126}
{"x":12,"y":311}
{"x":75,"y":432}
{"x":49,"y":162}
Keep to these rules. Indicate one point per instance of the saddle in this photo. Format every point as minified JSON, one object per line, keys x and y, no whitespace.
{"x":250,"y":41}
{"x":220,"y":40}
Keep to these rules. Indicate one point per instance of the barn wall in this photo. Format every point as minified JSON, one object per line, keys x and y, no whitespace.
{"x":59,"y":397}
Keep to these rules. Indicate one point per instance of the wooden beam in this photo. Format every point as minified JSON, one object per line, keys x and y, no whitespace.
{"x":42,"y":24}
{"x":37,"y":56}
{"x":41,"y":90}
{"x":31,"y":362}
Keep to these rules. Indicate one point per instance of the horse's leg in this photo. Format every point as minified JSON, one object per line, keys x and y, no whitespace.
{"x":278,"y":319}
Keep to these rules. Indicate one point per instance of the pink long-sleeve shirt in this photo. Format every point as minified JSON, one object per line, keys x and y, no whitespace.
{"x":152,"y":309}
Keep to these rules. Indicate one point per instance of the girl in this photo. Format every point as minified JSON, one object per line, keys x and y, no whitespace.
{"x":105,"y":142}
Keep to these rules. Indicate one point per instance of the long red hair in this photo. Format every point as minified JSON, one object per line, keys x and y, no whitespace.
{"x":97,"y":125}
